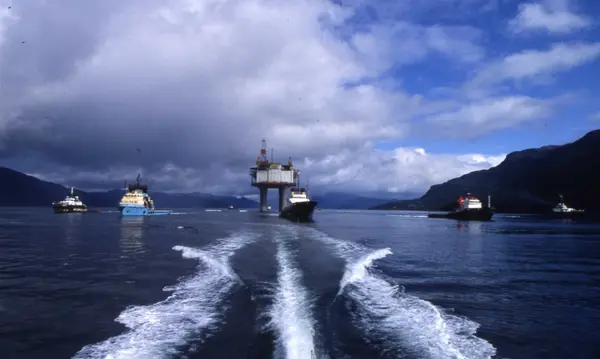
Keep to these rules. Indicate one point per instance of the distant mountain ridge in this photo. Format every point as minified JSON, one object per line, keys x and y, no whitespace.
{"x":339,"y":200}
{"x":19,"y":189}
{"x":527,"y":181}
{"x":334,"y":200}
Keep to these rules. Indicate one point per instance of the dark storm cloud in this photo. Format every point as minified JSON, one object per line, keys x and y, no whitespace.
{"x":101,"y":80}
{"x":194,"y":85}
{"x":50,"y":37}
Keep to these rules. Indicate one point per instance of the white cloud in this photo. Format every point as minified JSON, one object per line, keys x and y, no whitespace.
{"x":403,"y":42}
{"x":559,"y":57}
{"x":6,"y":17}
{"x":364,"y":170}
{"x":553,"y":16}
{"x":482,"y":117}
{"x":403,"y":169}
{"x":420,"y":151}
{"x":196,"y":84}
{"x":200,"y":74}
{"x":531,"y":65}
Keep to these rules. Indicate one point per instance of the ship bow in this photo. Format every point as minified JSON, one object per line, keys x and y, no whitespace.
{"x":299,"y":212}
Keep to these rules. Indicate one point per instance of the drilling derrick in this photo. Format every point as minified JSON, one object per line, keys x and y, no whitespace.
{"x":268,"y":174}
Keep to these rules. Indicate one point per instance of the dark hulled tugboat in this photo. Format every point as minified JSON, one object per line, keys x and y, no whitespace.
{"x":469,"y":209}
{"x":70,"y":204}
{"x":300,"y":207}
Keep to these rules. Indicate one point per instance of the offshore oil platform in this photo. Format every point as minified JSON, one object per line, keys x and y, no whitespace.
{"x":268,"y":174}
{"x":298,"y":207}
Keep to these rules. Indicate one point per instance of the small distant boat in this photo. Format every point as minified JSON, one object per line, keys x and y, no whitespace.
{"x":230,"y":207}
{"x":70,"y":204}
{"x":300,"y":208}
{"x":137,"y":202}
{"x":469,"y":209}
{"x":562,"y":211}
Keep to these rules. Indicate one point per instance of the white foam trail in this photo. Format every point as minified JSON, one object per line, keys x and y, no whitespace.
{"x":415,"y":325}
{"x":358,"y":270}
{"x":291,"y":311}
{"x":158,"y":330}
{"x":407,"y":215}
{"x":407,"y":323}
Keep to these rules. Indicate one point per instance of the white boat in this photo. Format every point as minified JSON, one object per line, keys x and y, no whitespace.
{"x":137,"y":202}
{"x":561,"y":210}
{"x":469,"y":208}
{"x":70,"y":204}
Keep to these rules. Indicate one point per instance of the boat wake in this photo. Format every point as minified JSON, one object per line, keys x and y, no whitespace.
{"x":290,"y":313}
{"x":407,"y":215}
{"x":194,"y":308}
{"x":407,"y":325}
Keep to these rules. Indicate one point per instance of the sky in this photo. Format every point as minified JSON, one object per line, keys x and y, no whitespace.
{"x":377,"y":96}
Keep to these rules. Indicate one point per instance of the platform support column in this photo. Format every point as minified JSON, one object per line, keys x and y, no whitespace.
{"x":282,"y":197}
{"x":263,"y":199}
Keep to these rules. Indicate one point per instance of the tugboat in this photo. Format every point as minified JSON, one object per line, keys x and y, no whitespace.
{"x":137,"y":202}
{"x":300,"y":208}
{"x":562,"y":211}
{"x":70,"y":204}
{"x":469,"y":209}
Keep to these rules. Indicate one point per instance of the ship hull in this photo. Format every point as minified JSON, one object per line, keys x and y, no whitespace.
{"x":142,"y":211}
{"x":69,"y":209}
{"x":299,"y":212}
{"x":484,"y":214}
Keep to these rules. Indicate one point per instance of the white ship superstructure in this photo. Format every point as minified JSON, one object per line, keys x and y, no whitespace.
{"x":71,"y":203}
{"x":469,"y":208}
{"x":298,"y":195}
{"x":469,"y":202}
{"x":561,"y":207}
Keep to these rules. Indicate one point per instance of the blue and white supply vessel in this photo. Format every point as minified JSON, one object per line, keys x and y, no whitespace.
{"x":137,"y":202}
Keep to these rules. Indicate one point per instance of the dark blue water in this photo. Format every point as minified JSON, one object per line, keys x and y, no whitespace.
{"x":352,"y":285}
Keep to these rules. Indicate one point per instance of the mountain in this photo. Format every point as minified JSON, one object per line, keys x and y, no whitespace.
{"x":527,"y":181}
{"x":19,"y":189}
{"x":339,"y":200}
